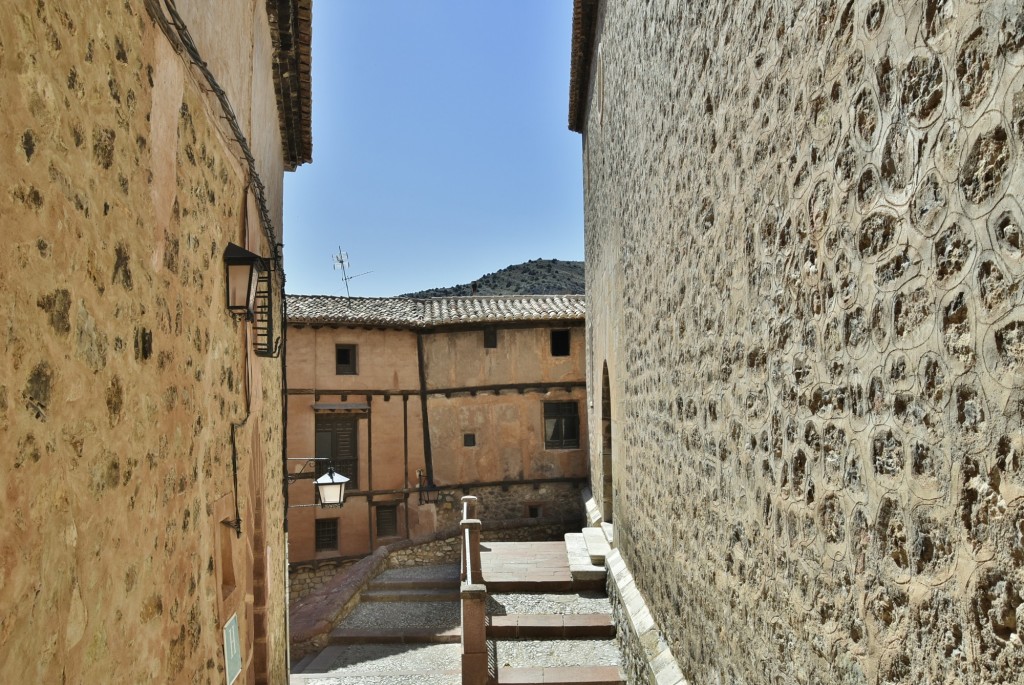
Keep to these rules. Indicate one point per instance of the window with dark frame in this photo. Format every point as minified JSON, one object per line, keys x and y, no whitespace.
{"x":469,"y":439}
{"x":387,"y":521}
{"x":490,"y":337}
{"x":337,"y":446}
{"x":327,"y":535}
{"x":561,"y":425}
{"x":533,"y":511}
{"x":560,"y":343}
{"x":345,"y":360}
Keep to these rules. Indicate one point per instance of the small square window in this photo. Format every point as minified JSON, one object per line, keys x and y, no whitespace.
{"x":327,"y":535}
{"x":387,"y":521}
{"x":345,"y":360}
{"x":469,"y":439}
{"x":534,"y":511}
{"x":559,"y":343}
{"x":490,"y":337}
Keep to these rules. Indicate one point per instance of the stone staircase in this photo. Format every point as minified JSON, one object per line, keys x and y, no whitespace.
{"x":406,"y":627}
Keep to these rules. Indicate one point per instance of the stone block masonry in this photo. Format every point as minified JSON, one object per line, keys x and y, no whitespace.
{"x":121,"y":372}
{"x":804,"y":274}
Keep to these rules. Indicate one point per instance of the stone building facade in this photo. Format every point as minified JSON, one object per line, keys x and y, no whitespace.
{"x":142,"y":537}
{"x":804,"y":282}
{"x":420,"y":401}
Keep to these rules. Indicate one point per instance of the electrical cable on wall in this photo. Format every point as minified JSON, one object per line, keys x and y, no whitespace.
{"x":176,"y":28}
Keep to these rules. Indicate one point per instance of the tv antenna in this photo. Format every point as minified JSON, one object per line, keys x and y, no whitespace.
{"x":341,"y":262}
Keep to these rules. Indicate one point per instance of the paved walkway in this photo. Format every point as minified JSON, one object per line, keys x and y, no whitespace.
{"x":529,"y":566}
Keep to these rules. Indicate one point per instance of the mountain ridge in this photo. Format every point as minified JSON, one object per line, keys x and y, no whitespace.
{"x":534,"y":277}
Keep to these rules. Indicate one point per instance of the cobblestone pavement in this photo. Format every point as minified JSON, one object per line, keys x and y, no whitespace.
{"x":422,"y":664}
{"x":407,"y":615}
{"x":506,"y":604}
{"x":554,"y":653}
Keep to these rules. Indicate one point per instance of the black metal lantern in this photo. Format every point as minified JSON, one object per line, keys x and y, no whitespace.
{"x":331,"y":488}
{"x":243,"y":268}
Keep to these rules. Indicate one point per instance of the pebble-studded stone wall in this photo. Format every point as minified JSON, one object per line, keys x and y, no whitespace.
{"x":120,"y":369}
{"x":812,"y":215}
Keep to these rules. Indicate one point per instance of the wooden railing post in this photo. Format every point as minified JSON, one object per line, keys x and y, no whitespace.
{"x":469,"y":503}
{"x":471,"y":549}
{"x":477,"y":666}
{"x":476,"y":669}
{"x":468,"y":513}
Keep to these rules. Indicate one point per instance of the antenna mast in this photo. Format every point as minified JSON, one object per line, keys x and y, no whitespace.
{"x":341,"y":262}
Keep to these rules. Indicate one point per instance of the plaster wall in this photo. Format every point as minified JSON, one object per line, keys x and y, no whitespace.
{"x":804,"y":270}
{"x":458,"y":358}
{"x":509,"y":433}
{"x":122,"y":372}
{"x":386,"y":359}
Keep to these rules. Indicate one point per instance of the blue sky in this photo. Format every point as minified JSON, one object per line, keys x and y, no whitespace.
{"x":441,"y":149}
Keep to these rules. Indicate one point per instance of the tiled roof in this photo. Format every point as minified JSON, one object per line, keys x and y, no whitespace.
{"x":407,"y":312}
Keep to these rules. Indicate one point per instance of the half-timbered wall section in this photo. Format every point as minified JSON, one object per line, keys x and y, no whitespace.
{"x":446,"y":396}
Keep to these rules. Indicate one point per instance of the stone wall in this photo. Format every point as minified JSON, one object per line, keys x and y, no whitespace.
{"x":498,"y":504}
{"x":304,"y":578}
{"x":804,"y":271}
{"x":121,"y":372}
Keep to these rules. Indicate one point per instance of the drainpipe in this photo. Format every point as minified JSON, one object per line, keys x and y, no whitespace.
{"x":284,"y":468}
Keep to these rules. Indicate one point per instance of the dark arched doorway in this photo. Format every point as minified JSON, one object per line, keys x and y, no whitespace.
{"x":606,"y":446}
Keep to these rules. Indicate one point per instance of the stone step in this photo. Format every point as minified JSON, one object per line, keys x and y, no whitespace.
{"x":574,"y":675}
{"x":551,"y":626}
{"x":597,"y":545}
{"x":323,"y":659}
{"x":419,"y":636}
{"x":590,"y":506}
{"x":410,"y":595}
{"x":304,"y":663}
{"x":580,"y":566}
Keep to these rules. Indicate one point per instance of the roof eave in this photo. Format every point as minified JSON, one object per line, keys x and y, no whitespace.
{"x":291,"y":28}
{"x":584,"y":28}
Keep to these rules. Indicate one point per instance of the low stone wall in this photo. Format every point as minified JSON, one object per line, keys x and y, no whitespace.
{"x":306,"y":577}
{"x":646,"y":657}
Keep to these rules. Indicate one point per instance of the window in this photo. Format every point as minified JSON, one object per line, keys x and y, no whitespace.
{"x":561,"y":425}
{"x":336,"y":441}
{"x":533,"y":511}
{"x":490,"y":337}
{"x":559,"y":343}
{"x":327,"y":535}
{"x":345,"y":360}
{"x":469,"y":439}
{"x":387,"y":521}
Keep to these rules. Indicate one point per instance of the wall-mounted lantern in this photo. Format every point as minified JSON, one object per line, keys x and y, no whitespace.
{"x":331,"y":488}
{"x":243,"y":268}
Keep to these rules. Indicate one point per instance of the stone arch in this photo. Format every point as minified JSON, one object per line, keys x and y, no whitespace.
{"x":606,"y":446}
